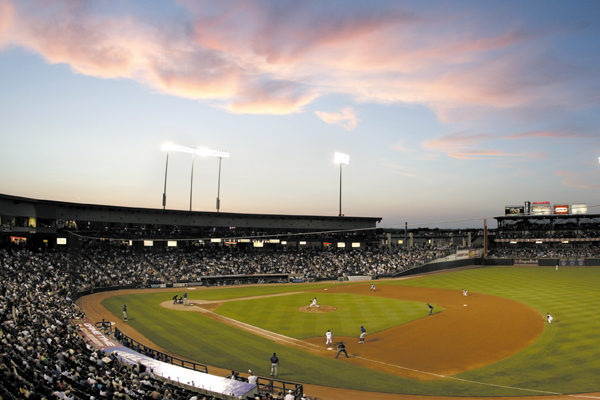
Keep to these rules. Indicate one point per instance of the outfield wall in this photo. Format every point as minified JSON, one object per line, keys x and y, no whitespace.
{"x":542,"y":262}
{"x":440,"y":266}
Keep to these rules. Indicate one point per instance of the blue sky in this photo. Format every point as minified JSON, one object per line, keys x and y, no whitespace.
{"x":449,"y":110}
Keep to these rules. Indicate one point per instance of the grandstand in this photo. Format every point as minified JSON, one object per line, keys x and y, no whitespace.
{"x":552,"y":239}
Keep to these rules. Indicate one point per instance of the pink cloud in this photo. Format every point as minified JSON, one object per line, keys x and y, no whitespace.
{"x":237,"y":54}
{"x":272,"y":97}
{"x":546,"y":134}
{"x":346,"y":118}
{"x":578,"y":180}
{"x":6,"y":17}
{"x":401,"y":147}
{"x":460,"y":146}
{"x":455,"y":141}
{"x":482,"y":154}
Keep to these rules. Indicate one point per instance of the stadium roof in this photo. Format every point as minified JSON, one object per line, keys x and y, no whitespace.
{"x":14,"y":206}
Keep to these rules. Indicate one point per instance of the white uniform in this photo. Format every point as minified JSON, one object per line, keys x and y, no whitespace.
{"x":549,"y":318}
{"x":314,"y":303}
{"x":372,"y":287}
{"x":329,"y":337}
{"x":465,"y":292}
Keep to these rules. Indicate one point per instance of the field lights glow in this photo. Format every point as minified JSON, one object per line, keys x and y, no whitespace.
{"x":175,"y":147}
{"x":205,"y":152}
{"x":341,"y":158}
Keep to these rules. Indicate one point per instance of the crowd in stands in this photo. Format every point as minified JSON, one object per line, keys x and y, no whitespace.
{"x":311,"y":264}
{"x":546,"y":250}
{"x":42,"y":354}
{"x":114,"y":266}
{"x":547,"y":234}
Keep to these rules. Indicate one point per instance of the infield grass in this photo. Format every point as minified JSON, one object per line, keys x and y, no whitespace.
{"x":281,"y":315}
{"x":563,"y":360}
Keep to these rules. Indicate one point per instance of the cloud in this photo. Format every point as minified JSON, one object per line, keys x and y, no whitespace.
{"x":346,"y":118}
{"x":547,"y":134}
{"x":482,"y":154}
{"x":398,"y":169}
{"x":461,"y":146}
{"x":453,"y":142}
{"x":277,"y":57}
{"x":578,"y":180}
{"x":272,"y":97}
{"x":6,"y":17}
{"x":401,"y":147}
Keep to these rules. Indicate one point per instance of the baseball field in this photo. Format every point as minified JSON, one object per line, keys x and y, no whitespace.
{"x":494,"y":342}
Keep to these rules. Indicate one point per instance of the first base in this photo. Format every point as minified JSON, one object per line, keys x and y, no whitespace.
{"x":464,"y":305}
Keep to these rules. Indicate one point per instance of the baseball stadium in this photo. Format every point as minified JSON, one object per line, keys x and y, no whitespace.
{"x":121,"y":302}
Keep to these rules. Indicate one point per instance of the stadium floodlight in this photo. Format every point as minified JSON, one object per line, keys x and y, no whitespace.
{"x":168,"y":147}
{"x":341,"y":159}
{"x":205,"y":152}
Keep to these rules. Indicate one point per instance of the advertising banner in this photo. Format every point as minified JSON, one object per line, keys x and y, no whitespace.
{"x":561,"y":209}
{"x":514,"y":210}
{"x":526,"y":261}
{"x":541,"y":208}
{"x":579,"y":208}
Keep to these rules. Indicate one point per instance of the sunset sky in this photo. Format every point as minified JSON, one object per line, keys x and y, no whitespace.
{"x":449,"y":110}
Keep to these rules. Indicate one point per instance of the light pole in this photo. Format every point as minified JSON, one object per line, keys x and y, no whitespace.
{"x":164,"y":202}
{"x":341,"y":159}
{"x":169,"y":147}
{"x":192,"y":179}
{"x":204,"y":152}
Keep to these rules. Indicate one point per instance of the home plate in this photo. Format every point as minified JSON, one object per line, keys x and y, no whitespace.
{"x":464,"y":305}
{"x":330,"y":348}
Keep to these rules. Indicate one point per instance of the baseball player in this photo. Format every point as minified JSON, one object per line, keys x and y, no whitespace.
{"x":363,"y":333}
{"x":328,"y":337}
{"x":550,"y":318}
{"x":430,"y":308}
{"x":314,"y":303}
{"x":372,"y":287}
{"x":125,"y":312}
{"x":465,"y":292}
{"x":274,"y":364}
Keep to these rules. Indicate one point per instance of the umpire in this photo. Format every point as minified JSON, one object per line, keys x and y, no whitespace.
{"x":342,"y":349}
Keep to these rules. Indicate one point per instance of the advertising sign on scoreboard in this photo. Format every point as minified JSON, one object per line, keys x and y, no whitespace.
{"x":514,"y":210}
{"x":541,"y":208}
{"x":579,"y":208}
{"x":561,"y":209}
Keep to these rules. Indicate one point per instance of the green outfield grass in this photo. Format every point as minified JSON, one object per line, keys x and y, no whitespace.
{"x":563,"y":360}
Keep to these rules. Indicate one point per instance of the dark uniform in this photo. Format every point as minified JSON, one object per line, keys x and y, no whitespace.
{"x":342,"y":349}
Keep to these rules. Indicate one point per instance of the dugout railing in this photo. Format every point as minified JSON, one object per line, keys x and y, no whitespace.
{"x":275,"y":386}
{"x":150,"y":352}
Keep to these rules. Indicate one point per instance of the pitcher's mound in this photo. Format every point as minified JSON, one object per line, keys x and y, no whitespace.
{"x":320,"y":309}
